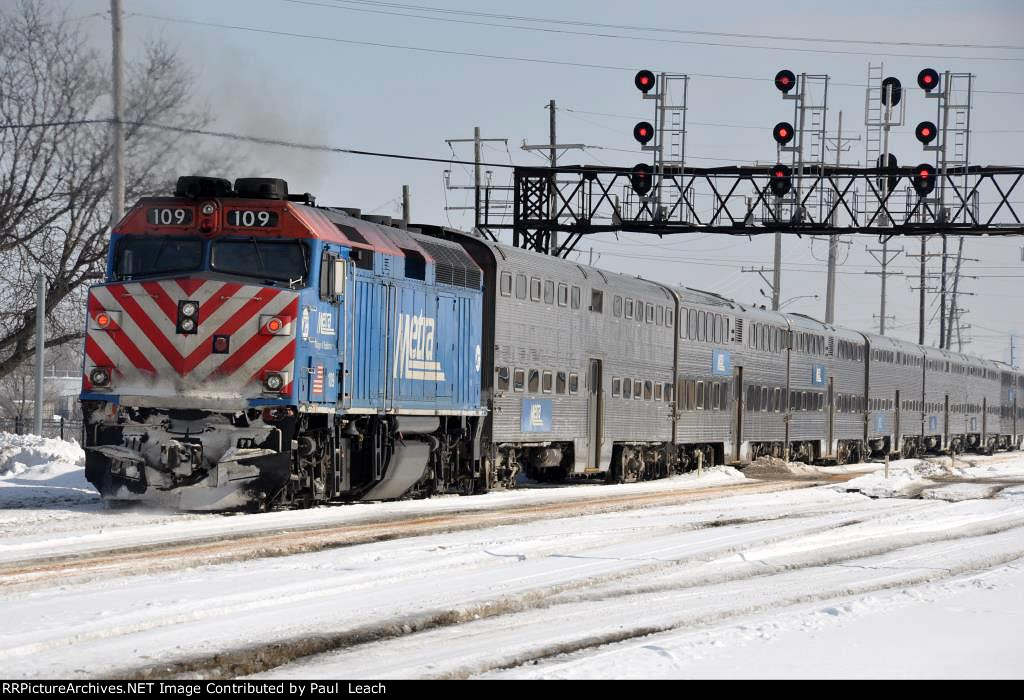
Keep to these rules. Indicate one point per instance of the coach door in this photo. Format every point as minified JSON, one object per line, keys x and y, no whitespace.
{"x":898,"y":444}
{"x":737,"y":443}
{"x":595,"y":414}
{"x":831,"y":407}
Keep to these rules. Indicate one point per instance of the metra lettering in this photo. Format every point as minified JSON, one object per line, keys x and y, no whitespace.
{"x":414,"y":349}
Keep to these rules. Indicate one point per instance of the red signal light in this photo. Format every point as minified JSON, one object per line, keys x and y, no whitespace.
{"x":780,"y":182}
{"x":924,"y":179}
{"x":102,"y":320}
{"x":926,"y":132}
{"x":644,"y":81}
{"x":640,"y":178}
{"x":785,"y":80}
{"x":643,"y":132}
{"x":928,"y":79}
{"x":783,"y":133}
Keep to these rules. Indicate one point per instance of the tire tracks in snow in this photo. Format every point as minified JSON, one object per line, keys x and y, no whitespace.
{"x":266,"y":656}
{"x":227,"y":548}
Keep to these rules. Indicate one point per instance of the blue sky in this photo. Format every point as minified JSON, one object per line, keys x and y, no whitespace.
{"x":389,"y":99}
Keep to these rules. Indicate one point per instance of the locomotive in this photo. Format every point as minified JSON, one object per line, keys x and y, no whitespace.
{"x":249,"y":348}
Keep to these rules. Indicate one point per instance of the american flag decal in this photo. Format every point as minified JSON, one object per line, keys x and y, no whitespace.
{"x":318,"y":380}
{"x":149,"y":356}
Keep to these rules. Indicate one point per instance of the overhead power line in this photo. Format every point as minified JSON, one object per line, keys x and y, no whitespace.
{"x":473,"y":54}
{"x":646,"y":39}
{"x":673,"y":30}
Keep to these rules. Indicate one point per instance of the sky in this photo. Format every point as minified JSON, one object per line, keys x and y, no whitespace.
{"x":301,"y":78}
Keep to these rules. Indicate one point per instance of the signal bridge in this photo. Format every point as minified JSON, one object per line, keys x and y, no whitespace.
{"x":748,"y":200}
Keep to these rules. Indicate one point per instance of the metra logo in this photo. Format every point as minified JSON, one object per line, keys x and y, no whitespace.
{"x":414,"y":349}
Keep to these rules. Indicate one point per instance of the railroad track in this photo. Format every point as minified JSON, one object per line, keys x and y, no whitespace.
{"x":232,"y":547}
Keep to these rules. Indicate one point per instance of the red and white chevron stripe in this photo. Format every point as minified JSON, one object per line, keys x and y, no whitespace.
{"x":148,"y":354}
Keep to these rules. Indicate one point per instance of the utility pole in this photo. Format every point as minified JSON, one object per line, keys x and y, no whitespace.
{"x":477,"y":173}
{"x":552,"y":147}
{"x":406,"y":206}
{"x":1013,"y":354}
{"x":553,"y":157}
{"x":953,"y":311}
{"x":833,"y":241}
{"x":777,"y":272}
{"x":920,"y":321}
{"x":943,"y":341}
{"x":883,"y":260}
{"x":40,"y":349}
{"x":117,"y":187}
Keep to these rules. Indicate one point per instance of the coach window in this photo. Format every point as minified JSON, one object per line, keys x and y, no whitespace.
{"x":506,"y":284}
{"x":617,"y":307}
{"x":597,"y":301}
{"x":638,"y":389}
{"x":560,"y":382}
{"x":616,"y":386}
{"x":660,"y":318}
{"x":691,"y":391}
{"x":575,"y":297}
{"x":563,"y":295}
{"x":503,"y":379}
{"x":700,"y":396}
{"x":629,"y":308}
{"x":669,"y":317}
{"x":709,"y":328}
{"x":650,"y":313}
{"x":716,"y":396}
{"x":668,"y":392}
{"x":648,"y":390}
{"x":534,"y":289}
{"x":520,"y":286}
{"x":533,"y":385}
{"x":518,"y":379}
{"x":700,"y":325}
{"x":794,"y":401}
{"x":549,"y":292}
{"x":574,"y":383}
{"x":682,"y":323}
{"x":657,"y":391}
{"x":547,"y":382}
{"x":765,"y":406}
{"x":639,"y":311}
{"x":821,"y":402}
{"x":692,"y":323}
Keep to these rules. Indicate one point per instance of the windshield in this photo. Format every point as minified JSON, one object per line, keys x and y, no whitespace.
{"x":138,"y":256}
{"x":278,"y":261}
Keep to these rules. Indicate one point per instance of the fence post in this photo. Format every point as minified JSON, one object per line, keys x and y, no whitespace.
{"x":62,"y":427}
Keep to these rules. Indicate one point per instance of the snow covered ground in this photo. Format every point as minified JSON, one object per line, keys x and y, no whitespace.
{"x":687,"y":577}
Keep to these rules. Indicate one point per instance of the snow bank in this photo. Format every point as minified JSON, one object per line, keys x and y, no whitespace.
{"x":917,"y":480}
{"x":36,"y":470}
{"x":773,"y":466}
{"x":23,"y":453}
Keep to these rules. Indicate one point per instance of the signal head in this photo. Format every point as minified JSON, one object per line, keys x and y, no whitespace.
{"x":926,"y":132}
{"x":924,"y":179}
{"x":640,"y":178}
{"x":783,"y":133}
{"x":779,"y":180}
{"x":643,"y":132}
{"x":785,"y":80}
{"x":644,"y":81}
{"x":928,"y":79}
{"x":892,"y":90}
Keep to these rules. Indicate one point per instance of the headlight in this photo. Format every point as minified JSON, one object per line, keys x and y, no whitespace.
{"x":273,"y":382}
{"x":189,"y":309}
{"x":208,"y":209}
{"x":188,"y":325}
{"x":99,"y":376}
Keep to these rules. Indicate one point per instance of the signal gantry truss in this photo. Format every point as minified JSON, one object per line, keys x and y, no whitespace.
{"x":739,"y":200}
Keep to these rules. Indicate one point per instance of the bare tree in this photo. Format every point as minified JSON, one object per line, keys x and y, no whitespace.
{"x":55,"y":169}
